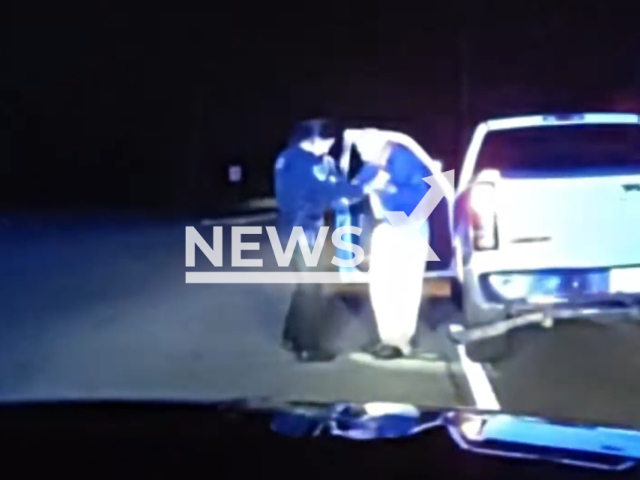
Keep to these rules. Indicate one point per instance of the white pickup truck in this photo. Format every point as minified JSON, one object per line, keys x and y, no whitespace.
{"x":546,"y":226}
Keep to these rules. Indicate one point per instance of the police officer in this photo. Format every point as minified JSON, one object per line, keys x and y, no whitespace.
{"x":307,"y":185}
{"x":398,"y":255}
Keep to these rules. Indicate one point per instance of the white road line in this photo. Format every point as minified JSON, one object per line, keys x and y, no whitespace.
{"x":481,"y":389}
{"x":238,"y":220}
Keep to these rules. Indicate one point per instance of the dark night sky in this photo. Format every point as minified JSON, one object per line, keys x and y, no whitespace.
{"x":145,"y":106}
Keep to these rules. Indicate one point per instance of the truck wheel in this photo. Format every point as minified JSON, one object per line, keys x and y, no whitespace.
{"x":456,"y":293}
{"x":488,"y":350}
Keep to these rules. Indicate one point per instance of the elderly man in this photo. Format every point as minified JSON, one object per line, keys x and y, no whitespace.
{"x":398,"y":253}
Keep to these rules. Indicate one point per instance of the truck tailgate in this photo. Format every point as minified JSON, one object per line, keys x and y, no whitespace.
{"x":570,"y":221}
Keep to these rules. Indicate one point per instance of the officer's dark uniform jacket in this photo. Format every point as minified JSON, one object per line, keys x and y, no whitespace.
{"x":307,"y":186}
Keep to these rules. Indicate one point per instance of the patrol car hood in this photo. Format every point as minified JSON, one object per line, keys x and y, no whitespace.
{"x":480,"y":432}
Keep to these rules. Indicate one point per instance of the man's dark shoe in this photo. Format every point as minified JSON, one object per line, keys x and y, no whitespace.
{"x":370,"y":347}
{"x":309,"y":356}
{"x":386,"y":352}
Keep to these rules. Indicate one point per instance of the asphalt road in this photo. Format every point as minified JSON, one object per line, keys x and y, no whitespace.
{"x":96,"y":307}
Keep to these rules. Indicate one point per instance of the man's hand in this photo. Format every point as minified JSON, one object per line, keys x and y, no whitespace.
{"x":379,"y":183}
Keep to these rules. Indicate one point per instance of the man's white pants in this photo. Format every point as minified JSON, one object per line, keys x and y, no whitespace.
{"x":397,"y":264}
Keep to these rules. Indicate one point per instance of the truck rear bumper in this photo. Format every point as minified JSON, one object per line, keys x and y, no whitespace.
{"x":488,"y":316}
{"x":545,"y":318}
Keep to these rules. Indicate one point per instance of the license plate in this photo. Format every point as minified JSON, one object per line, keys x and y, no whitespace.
{"x":624,"y":280}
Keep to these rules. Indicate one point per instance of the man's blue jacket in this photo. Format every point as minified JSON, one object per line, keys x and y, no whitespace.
{"x":406,"y":172}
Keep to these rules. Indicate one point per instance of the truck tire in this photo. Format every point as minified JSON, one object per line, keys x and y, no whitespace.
{"x":488,"y":350}
{"x":456,"y":293}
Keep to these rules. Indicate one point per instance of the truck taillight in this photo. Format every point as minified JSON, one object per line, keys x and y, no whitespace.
{"x":482,"y":208}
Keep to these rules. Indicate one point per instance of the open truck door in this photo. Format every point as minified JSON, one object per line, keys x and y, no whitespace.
{"x":362,"y":214}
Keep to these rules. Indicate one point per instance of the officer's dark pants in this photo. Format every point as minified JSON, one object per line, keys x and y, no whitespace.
{"x":311,"y":323}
